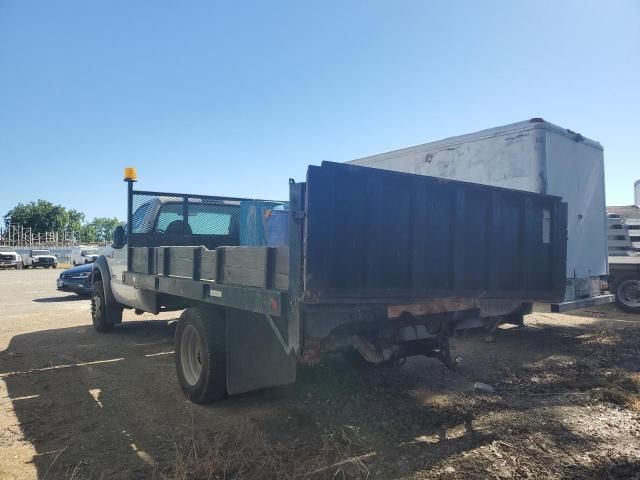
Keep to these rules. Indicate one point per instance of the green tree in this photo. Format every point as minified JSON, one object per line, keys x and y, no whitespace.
{"x":43,"y":216}
{"x":99,"y":230}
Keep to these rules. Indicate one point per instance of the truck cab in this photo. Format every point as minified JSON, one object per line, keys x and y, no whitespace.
{"x":160,"y":219}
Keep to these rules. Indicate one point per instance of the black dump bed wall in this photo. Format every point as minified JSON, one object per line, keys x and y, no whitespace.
{"x":376,"y":235}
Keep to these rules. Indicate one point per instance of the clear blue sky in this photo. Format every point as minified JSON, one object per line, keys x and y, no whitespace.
{"x":233,"y":98}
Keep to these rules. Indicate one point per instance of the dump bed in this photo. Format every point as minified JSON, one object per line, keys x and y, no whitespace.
{"x":381,"y":236}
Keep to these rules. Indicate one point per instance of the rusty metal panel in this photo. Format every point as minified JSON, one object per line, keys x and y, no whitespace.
{"x":376,"y":235}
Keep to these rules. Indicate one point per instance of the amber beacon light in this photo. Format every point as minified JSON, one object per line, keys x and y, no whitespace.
{"x":130,"y":174}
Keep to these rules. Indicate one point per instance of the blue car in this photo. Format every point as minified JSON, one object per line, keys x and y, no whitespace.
{"x":76,"y":280}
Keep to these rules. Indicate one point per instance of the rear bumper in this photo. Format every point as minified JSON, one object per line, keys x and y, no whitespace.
{"x":584,"y":302}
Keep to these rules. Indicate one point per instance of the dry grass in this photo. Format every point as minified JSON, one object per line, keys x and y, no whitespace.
{"x":243,"y":452}
{"x":618,"y":396}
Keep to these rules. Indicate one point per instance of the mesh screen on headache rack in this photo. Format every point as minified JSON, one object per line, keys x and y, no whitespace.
{"x":172,"y":219}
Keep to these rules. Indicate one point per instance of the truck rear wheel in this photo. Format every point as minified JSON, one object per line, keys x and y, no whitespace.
{"x":103,"y":314}
{"x":201,"y":357}
{"x":627,"y":291}
{"x":355,"y":360}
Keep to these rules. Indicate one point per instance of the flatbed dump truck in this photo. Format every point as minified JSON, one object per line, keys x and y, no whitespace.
{"x":380,"y":265}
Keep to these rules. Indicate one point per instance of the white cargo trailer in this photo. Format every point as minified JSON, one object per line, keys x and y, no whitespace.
{"x":536,"y":156}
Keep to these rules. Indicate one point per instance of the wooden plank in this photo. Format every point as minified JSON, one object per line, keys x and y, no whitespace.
{"x":140,"y":261}
{"x":281,"y":272}
{"x":244,"y":276}
{"x":263,"y":267}
{"x":281,"y":281}
{"x":245,"y":257}
{"x":209,"y":265}
{"x":282,"y":260}
{"x":160,"y":261}
{"x":181,"y":261}
{"x":245,"y":266}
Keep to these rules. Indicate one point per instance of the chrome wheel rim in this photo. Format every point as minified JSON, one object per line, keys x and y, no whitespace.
{"x":96,"y":306}
{"x":629,"y":293}
{"x":191,"y":355}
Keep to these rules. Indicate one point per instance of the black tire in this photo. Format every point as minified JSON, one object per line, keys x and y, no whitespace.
{"x":621,"y":290}
{"x":201,"y":356}
{"x":104,"y":314}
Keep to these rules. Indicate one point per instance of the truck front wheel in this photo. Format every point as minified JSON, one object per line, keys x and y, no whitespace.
{"x":103,"y":314}
{"x":627,"y":291}
{"x":201,"y":358}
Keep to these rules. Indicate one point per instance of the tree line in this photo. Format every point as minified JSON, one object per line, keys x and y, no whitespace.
{"x":43,"y":216}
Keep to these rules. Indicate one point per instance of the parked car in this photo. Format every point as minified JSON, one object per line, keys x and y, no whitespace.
{"x":76,"y":280}
{"x":40,"y":258}
{"x":84,"y":255}
{"x":10,"y":260}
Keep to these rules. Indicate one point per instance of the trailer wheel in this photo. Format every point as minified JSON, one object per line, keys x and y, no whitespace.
{"x":627,"y":291}
{"x":103,"y":314}
{"x":201,"y":358}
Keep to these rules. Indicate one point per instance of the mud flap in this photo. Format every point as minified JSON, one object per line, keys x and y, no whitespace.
{"x":255,"y":356}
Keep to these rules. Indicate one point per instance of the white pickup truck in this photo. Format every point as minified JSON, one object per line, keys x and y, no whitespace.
{"x":10,"y":260}
{"x":40,"y":258}
{"x":84,"y":255}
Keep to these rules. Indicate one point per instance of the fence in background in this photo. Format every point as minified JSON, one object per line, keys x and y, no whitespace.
{"x":64,"y":254}
{"x":17,"y":235}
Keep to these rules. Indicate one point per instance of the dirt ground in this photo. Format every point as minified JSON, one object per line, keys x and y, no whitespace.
{"x":76,"y":404}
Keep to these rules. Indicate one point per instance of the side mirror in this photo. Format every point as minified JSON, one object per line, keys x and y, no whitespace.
{"x":119,"y":237}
